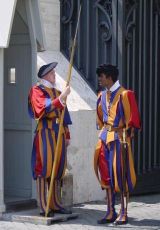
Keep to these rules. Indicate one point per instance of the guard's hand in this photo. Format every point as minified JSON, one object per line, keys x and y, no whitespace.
{"x":65,"y":93}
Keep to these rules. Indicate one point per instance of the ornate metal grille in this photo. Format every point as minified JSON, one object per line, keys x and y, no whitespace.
{"x":94,"y":44}
{"x":141,"y":71}
{"x":125,"y":33}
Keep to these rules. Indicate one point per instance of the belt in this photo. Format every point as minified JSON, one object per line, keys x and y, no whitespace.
{"x":110,"y":128}
{"x":56,"y":120}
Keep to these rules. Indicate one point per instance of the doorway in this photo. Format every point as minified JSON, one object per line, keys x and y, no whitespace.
{"x":17,"y":125}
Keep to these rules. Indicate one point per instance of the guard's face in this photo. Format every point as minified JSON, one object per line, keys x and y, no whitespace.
{"x":104,"y":81}
{"x":52,"y":76}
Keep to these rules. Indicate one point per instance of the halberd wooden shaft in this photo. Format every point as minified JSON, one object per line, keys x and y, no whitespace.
{"x":53,"y":175}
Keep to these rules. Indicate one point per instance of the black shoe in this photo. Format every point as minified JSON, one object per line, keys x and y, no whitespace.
{"x":107,"y":221}
{"x":104,"y":221}
{"x":50,"y":214}
{"x":63,"y":211}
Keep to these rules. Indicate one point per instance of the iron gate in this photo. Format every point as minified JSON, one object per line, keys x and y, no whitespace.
{"x":125,"y":33}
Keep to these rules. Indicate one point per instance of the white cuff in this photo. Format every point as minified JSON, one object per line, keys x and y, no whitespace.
{"x":62,"y":102}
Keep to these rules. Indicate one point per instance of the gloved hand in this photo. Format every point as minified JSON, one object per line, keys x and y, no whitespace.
{"x":64,"y":94}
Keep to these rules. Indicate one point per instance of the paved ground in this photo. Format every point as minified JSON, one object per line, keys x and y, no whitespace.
{"x":144,"y":213}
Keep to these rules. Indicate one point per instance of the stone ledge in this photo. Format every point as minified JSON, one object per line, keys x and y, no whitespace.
{"x":32,"y":216}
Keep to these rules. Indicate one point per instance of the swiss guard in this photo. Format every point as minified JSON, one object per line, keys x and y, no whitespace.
{"x":117,"y":118}
{"x":45,"y":104}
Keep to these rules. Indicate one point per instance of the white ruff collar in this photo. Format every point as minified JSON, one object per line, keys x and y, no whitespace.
{"x":47,"y":83}
{"x":115,"y":86}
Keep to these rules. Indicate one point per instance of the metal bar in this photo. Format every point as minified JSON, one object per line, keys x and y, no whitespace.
{"x":121,"y":40}
{"x":61,"y":30}
{"x":133,"y":67}
{"x":155,"y":91}
{"x":144,"y":86}
{"x":105,"y":52}
{"x":88,"y":41}
{"x":97,"y":37}
{"x":114,"y":32}
{"x":128,"y":64}
{"x":140,"y":85}
{"x":79,"y":41}
{"x":134,"y":52}
{"x":150,"y":86}
{"x":96,"y":43}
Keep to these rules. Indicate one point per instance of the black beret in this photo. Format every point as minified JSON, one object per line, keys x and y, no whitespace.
{"x":44,"y":69}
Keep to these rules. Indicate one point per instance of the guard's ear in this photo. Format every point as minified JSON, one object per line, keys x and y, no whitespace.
{"x":109,"y":78}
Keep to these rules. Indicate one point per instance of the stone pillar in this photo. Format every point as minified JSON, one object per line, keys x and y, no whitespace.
{"x":50,"y":12}
{"x":2,"y":205}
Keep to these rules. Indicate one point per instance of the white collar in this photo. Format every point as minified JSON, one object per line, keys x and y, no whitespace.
{"x":47,"y":83}
{"x":114,"y":87}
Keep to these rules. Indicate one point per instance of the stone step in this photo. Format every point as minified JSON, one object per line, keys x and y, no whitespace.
{"x":33,"y":217}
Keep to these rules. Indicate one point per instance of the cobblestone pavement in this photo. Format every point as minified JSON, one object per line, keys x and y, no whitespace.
{"x":144,"y":213}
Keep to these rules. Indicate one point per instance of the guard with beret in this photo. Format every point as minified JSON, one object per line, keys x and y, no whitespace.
{"x":45,"y":104}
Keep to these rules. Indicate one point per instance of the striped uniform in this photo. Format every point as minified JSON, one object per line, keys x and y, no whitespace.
{"x":108,"y":154}
{"x":44,"y":106}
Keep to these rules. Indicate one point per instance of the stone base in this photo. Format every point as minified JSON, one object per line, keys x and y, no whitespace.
{"x":33,"y":217}
{"x":67,"y":190}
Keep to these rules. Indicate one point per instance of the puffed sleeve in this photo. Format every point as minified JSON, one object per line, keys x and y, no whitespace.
{"x":99,"y":116}
{"x":39,"y":105}
{"x":131,"y":112}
